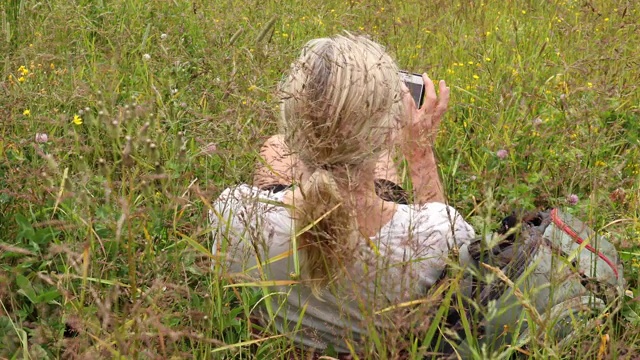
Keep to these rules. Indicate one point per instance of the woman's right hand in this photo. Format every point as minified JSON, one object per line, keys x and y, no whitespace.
{"x":417,"y":139}
{"x":422,"y":124}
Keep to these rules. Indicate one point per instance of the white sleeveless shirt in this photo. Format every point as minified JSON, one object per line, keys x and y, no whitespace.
{"x":252,"y":234}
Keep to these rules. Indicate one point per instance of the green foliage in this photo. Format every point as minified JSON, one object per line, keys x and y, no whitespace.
{"x":151,"y":108}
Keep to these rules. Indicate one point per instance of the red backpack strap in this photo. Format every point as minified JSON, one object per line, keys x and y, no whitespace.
{"x":574,"y":235}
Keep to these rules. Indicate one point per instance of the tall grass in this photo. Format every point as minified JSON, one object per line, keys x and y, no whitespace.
{"x":150,"y":109}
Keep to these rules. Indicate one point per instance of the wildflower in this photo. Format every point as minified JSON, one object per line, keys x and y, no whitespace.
{"x":209,"y":149}
{"x":42,"y":138}
{"x":21,"y":79}
{"x":26,"y":112}
{"x":146,"y":57}
{"x":618,"y":195}
{"x":600,"y":163}
{"x":77,"y":120}
{"x":163,"y":36}
{"x":502,"y":154}
{"x":487,"y":59}
{"x":537,"y":121}
{"x":572,"y":199}
{"x":589,"y":85}
{"x":524,"y":12}
{"x":476,"y":76}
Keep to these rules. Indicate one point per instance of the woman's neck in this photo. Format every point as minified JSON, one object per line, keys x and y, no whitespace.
{"x":369,"y":209}
{"x":360,"y":198}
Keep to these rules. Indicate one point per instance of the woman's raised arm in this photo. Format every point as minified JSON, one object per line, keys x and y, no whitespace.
{"x":417,"y":139}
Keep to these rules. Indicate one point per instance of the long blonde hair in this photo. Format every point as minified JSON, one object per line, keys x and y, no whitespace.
{"x":340,"y":102}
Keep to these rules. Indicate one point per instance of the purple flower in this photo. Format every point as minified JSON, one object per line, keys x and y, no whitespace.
{"x":572,"y":199}
{"x":41,"y":138}
{"x":502,"y":154}
{"x":209,"y":149}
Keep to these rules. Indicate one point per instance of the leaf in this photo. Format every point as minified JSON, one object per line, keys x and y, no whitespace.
{"x":26,"y":230}
{"x":43,"y":236}
{"x":49,"y":297}
{"x":26,"y":288}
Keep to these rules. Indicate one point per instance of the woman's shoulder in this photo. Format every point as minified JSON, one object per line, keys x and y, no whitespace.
{"x":248,"y":195}
{"x":428,"y":218}
{"x":245,"y":212}
{"x":244,"y":204}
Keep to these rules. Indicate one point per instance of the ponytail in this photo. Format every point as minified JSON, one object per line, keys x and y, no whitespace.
{"x":329,"y":243}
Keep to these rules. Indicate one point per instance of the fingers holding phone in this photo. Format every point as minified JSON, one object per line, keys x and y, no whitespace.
{"x":427,"y":108}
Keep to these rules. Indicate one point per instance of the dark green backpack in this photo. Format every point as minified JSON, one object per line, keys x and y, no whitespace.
{"x":549,"y":273}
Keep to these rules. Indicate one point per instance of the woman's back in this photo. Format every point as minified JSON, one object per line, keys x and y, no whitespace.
{"x":253,"y":232}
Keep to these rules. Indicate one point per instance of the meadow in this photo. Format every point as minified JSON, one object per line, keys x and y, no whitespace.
{"x":122,"y":120}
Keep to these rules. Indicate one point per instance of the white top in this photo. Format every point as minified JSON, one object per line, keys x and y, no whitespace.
{"x":399,"y":264}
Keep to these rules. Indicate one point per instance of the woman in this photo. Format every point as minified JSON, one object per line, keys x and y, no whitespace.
{"x":333,"y":252}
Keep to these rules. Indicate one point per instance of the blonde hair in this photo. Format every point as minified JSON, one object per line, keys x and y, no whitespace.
{"x":339,"y":104}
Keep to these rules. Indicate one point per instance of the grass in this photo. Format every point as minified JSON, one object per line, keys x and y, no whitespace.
{"x":104,"y":242}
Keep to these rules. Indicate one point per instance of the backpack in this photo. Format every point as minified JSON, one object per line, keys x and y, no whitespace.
{"x":545,"y":275}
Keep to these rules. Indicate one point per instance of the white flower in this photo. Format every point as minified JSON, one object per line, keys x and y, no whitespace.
{"x":41,"y":138}
{"x":146,"y":57}
{"x":163,"y":36}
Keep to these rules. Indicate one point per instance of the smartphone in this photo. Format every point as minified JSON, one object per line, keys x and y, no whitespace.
{"x":416,"y":86}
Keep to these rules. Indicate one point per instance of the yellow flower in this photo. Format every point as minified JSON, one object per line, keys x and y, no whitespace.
{"x":26,"y":112}
{"x":77,"y":120}
{"x":600,"y":163}
{"x":524,"y":12}
{"x":476,"y":77}
{"x":487,"y":59}
{"x":21,"y":79}
{"x":589,"y":85}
